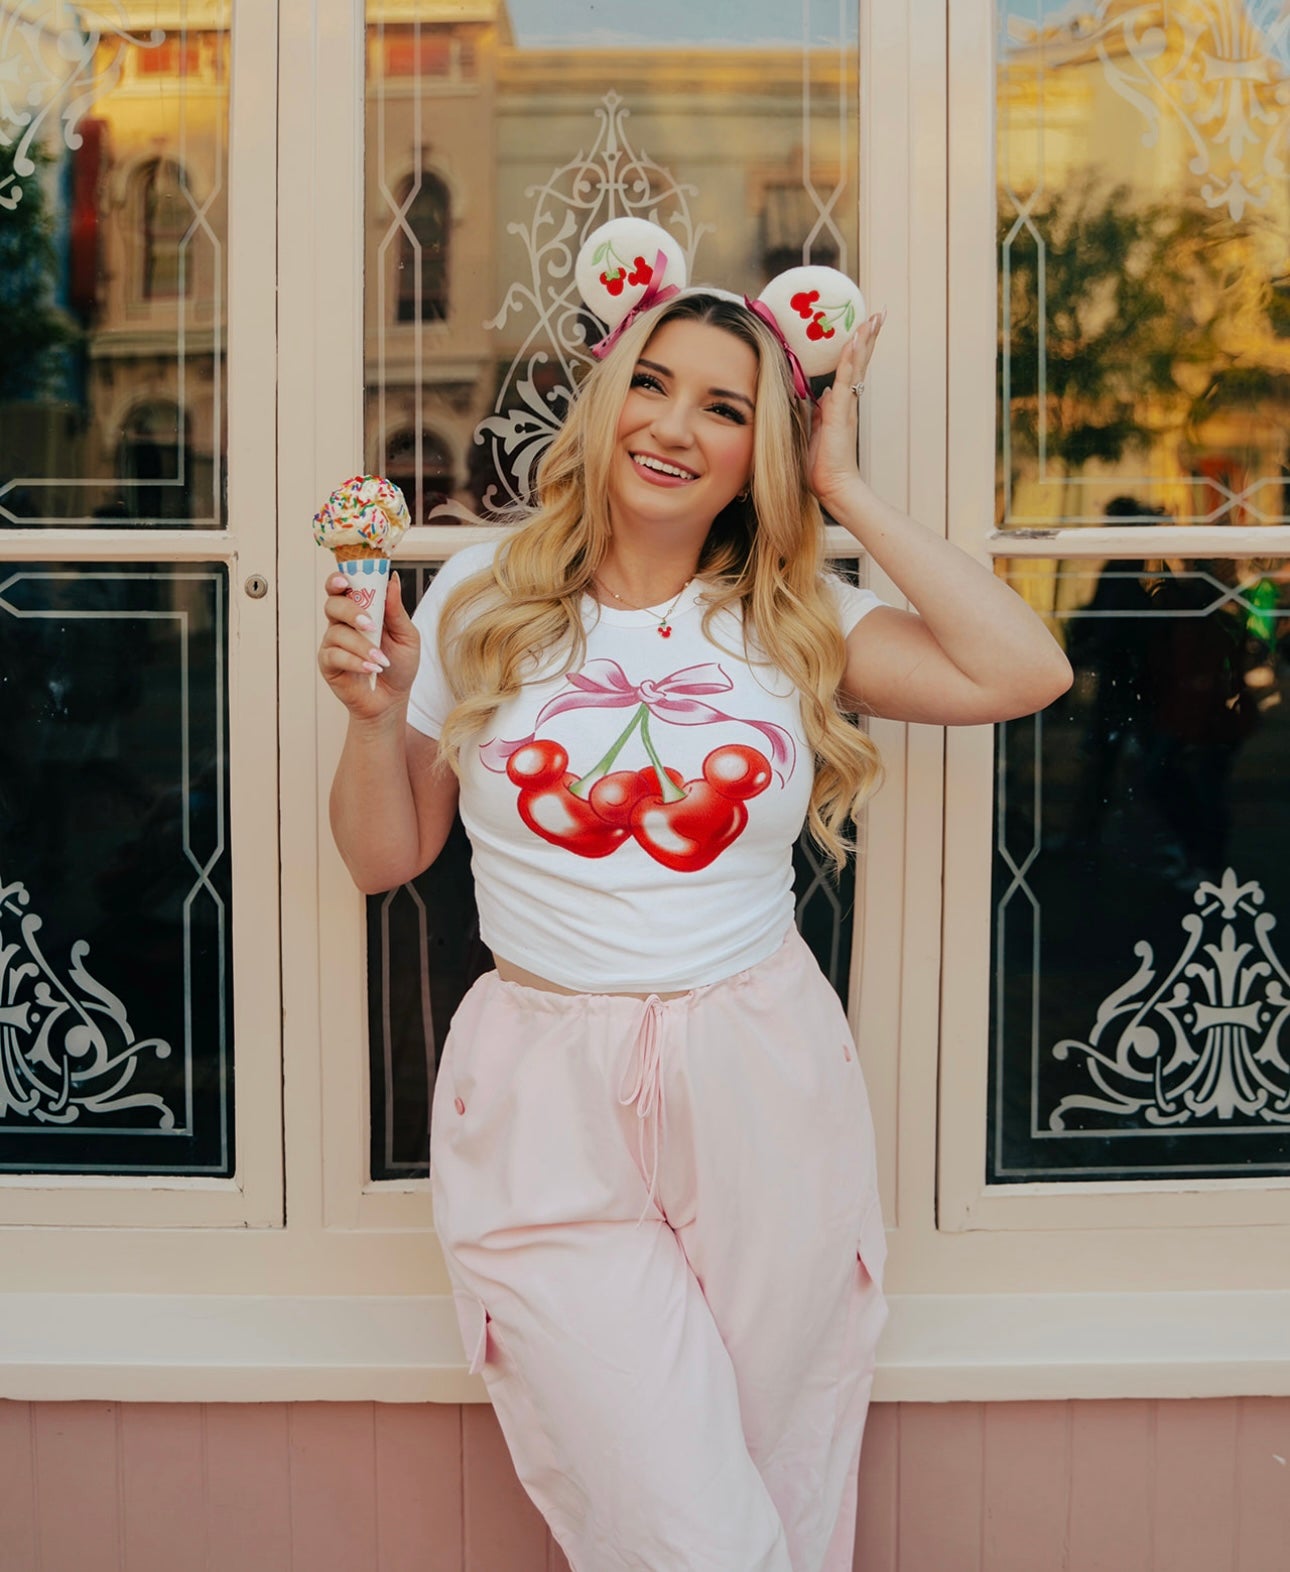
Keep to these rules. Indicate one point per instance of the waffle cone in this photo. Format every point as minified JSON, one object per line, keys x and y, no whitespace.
{"x":356,"y":553}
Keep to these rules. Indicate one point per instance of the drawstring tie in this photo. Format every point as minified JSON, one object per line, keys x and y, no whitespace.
{"x":645,"y":1073}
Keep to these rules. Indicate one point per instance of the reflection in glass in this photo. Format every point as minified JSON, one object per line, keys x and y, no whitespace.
{"x":115,"y":979}
{"x":424,"y":951}
{"x":1143,"y":219}
{"x":113,"y":225}
{"x":497,"y":139}
{"x":1142,"y":882}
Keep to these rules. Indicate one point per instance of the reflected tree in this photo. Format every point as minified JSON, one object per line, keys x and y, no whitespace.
{"x":1108,"y":311}
{"x":31,"y":325}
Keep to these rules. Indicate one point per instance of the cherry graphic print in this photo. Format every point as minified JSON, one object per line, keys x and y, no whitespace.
{"x":683,"y":825}
{"x":738,"y":771}
{"x":559,"y":815}
{"x":614,"y":796}
{"x":688,"y":832}
{"x":537,"y":763}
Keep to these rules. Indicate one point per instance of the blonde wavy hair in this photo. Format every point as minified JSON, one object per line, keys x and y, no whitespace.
{"x":764,"y":553}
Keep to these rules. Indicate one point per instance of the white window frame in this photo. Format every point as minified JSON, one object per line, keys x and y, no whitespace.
{"x":253,"y":1197}
{"x":1192,"y":1232}
{"x":350,"y":1300}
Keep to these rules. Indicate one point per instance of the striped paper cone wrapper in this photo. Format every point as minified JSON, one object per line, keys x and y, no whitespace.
{"x":367,"y":575}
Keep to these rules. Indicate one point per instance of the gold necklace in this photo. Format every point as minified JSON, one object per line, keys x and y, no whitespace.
{"x":664,"y":629}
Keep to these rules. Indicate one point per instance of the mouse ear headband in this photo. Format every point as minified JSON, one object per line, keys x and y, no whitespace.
{"x":628,"y":266}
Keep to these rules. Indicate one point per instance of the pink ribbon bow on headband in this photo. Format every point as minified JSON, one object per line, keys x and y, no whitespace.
{"x":603,"y":684}
{"x":800,"y":384}
{"x":654,"y":295}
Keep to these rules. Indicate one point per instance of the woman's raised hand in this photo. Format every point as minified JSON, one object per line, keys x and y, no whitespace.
{"x":347,"y":660}
{"x":831,"y":461}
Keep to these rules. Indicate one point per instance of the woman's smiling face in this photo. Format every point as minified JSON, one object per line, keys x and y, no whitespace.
{"x":684,"y":445}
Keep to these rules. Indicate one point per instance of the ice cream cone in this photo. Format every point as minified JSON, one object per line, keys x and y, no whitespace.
{"x":367,"y":576}
{"x":360,"y":524}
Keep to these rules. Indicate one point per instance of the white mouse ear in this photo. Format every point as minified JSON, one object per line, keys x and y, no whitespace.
{"x":622,"y":263}
{"x":816,"y":309}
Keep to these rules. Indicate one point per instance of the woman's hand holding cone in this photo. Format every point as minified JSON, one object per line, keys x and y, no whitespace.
{"x":369,"y":680}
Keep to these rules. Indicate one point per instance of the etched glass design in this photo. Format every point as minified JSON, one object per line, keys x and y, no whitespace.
{"x":1140,"y":966}
{"x":113,"y":261}
{"x":1143,"y":216}
{"x":115,"y":968}
{"x":496,"y":140}
{"x":424,"y":951}
{"x":499,"y":137}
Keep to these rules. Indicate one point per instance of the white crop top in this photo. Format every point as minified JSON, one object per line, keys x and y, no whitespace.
{"x":586,"y":872}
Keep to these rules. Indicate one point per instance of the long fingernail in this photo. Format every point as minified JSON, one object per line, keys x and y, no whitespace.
{"x":362,"y":620}
{"x":380,"y":657}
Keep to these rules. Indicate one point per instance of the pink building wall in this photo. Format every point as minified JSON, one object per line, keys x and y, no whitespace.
{"x":1188,"y":1486}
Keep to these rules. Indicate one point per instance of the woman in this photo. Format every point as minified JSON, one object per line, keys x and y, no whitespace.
{"x":653,"y":1165}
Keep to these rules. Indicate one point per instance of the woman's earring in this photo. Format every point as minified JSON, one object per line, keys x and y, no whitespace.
{"x":744,"y":494}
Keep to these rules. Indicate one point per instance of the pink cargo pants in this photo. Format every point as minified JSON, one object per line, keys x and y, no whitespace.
{"x":661,"y":1221}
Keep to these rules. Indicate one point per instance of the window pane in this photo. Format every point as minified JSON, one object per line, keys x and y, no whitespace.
{"x":1141,"y":978}
{"x":115,"y":979}
{"x":497,"y":140}
{"x":113,"y":224}
{"x":1143,"y":221}
{"x":494,"y":143}
{"x":424,"y":951}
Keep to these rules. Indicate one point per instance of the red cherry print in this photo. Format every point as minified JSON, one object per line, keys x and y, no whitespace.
{"x":641,"y":273}
{"x":614,"y":283}
{"x":814,"y":330}
{"x":664,"y":631}
{"x":737,"y":771}
{"x":803,"y":302}
{"x":553,"y":812}
{"x":647,"y":779}
{"x":689,"y":834}
{"x":537,"y":763}
{"x":614,"y":796}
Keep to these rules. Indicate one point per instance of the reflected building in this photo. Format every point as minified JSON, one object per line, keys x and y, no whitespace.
{"x":1145,"y":320}
{"x":485,"y":162}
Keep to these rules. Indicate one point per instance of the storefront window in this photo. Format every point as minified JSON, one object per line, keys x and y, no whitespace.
{"x":1141,"y":981}
{"x":494,"y":144}
{"x":115,"y":889}
{"x":1144,"y":290}
{"x":113,"y":252}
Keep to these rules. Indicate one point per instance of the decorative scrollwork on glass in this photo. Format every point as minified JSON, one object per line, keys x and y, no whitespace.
{"x":57,"y":59}
{"x":1206,"y":1042}
{"x":610,"y":181}
{"x":1220,"y":69}
{"x":66,"y":1045}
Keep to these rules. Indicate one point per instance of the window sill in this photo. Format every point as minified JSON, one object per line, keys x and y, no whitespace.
{"x":938,"y":1348}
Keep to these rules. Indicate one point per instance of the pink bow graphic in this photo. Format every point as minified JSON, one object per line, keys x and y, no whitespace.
{"x":800,"y":384}
{"x":603,"y":684}
{"x":654,"y":295}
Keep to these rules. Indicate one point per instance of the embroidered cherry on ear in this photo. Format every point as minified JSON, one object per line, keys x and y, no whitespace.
{"x":803,"y":302}
{"x":817,"y":329}
{"x":641,"y":273}
{"x":614,"y":282}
